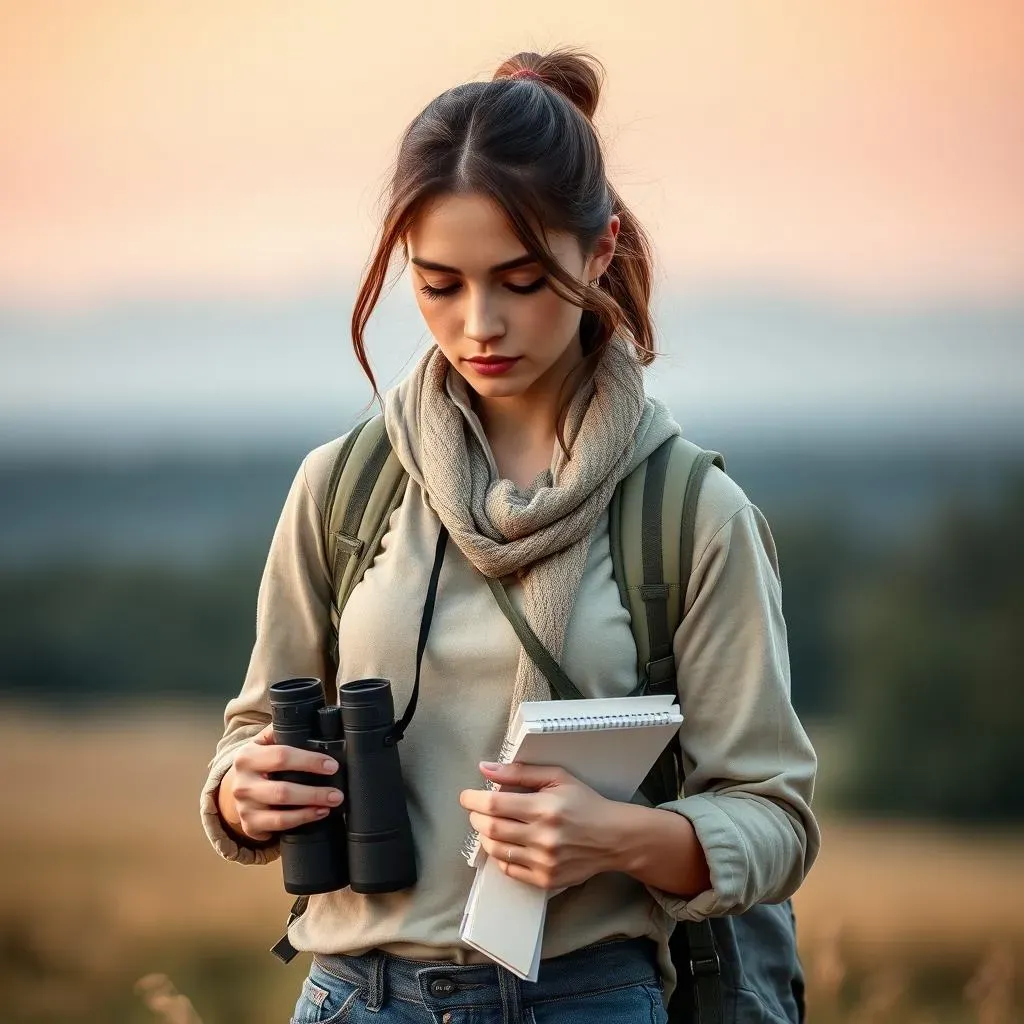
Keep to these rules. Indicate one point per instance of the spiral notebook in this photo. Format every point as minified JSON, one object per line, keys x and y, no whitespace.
{"x":610,"y":744}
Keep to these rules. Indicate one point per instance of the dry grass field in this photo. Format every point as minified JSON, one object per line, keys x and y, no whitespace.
{"x":105,"y":877}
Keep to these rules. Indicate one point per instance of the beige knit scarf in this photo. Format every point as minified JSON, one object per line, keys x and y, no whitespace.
{"x":543,"y":533}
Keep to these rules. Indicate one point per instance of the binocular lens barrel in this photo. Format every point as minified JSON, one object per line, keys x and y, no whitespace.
{"x":380,"y":848}
{"x":313,"y":856}
{"x":367,"y":841}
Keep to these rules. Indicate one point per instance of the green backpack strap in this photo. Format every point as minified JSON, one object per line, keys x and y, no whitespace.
{"x":366,"y":485}
{"x":652,"y":518}
{"x":651,"y":527}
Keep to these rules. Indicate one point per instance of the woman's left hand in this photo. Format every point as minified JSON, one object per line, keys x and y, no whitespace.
{"x":559,"y":835}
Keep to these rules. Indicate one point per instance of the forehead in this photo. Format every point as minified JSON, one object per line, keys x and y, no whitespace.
{"x":471,"y":232}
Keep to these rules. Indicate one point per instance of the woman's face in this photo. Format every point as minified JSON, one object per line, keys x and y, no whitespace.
{"x":486,"y":301}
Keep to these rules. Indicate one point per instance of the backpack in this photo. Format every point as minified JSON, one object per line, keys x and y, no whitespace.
{"x":742,"y":969}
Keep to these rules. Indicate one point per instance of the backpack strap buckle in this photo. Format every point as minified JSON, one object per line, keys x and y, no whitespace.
{"x":706,"y":966}
{"x":661,"y":675}
{"x":353,"y":546}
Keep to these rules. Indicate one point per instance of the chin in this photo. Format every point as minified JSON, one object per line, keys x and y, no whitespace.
{"x":497,"y":388}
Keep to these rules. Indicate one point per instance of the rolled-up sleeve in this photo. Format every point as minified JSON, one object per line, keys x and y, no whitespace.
{"x":292,"y":629}
{"x":749,"y":764}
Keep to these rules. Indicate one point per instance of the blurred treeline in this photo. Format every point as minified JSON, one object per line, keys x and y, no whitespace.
{"x":905,"y":609}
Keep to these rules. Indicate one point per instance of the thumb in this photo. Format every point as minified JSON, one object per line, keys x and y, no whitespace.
{"x":265,"y":735}
{"x":529,"y":776}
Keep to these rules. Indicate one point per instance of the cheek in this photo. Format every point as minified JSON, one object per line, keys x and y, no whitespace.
{"x":542,"y":316}
{"x":554,"y":319}
{"x":440,"y":318}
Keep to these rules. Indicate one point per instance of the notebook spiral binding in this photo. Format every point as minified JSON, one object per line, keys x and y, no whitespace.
{"x":588,"y":723}
{"x":585,"y":723}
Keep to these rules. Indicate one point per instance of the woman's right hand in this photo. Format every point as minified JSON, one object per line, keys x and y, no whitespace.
{"x":258,"y":806}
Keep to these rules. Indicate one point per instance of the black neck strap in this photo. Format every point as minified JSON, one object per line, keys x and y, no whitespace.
{"x":428,"y":614}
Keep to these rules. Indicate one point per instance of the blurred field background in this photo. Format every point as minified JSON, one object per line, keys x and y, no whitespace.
{"x":186,"y":199}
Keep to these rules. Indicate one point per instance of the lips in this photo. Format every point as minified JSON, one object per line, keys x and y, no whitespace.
{"x":493,"y":365}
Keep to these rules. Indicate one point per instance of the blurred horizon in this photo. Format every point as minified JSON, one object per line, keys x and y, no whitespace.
{"x":152,"y":375}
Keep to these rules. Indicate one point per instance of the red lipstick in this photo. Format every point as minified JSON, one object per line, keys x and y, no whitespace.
{"x":493,"y":366}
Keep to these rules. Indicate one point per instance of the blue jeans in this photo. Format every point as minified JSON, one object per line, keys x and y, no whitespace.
{"x":614,"y":982}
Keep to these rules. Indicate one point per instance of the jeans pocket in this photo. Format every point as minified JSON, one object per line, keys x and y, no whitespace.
{"x":325,"y":999}
{"x":630,"y":1004}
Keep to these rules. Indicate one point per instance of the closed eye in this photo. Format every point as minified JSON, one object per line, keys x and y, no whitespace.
{"x":527,"y":289}
{"x":439,"y":293}
{"x":519,"y":289}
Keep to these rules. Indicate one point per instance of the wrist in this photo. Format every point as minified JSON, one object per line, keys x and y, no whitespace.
{"x":630,"y":830}
{"x":660,"y":848}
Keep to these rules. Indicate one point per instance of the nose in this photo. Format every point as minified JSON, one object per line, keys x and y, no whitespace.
{"x":483,"y":321}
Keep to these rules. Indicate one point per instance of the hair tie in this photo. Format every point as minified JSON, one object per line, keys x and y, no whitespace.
{"x":526,"y":73}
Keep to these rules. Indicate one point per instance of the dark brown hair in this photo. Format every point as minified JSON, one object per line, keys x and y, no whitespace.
{"x":528,"y":143}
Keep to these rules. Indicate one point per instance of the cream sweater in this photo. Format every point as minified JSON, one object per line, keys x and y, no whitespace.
{"x":750,"y":766}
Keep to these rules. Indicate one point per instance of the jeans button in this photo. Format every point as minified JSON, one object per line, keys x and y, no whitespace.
{"x":442,"y":987}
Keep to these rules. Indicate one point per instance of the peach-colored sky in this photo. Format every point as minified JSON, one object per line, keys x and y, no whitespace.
{"x":872,"y":149}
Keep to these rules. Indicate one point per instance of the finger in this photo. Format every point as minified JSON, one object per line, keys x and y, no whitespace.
{"x":280,"y":757}
{"x":278,"y":821}
{"x":524,"y":867}
{"x":521,"y":855}
{"x":502,"y":830}
{"x":265,"y":735}
{"x":529,"y":776}
{"x":526,"y":807}
{"x":525,"y":874}
{"x":275,"y":793}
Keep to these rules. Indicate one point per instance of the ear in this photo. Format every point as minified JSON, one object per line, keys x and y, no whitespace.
{"x":604,"y":249}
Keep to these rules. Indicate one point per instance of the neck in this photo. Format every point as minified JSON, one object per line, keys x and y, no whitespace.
{"x":528,"y":419}
{"x":531,"y":424}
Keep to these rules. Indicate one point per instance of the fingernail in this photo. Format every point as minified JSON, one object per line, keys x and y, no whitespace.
{"x":334,"y":797}
{"x":322,"y":812}
{"x":489,"y":766}
{"x":330,"y":765}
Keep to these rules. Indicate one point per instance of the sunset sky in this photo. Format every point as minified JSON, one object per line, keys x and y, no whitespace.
{"x":872,"y":150}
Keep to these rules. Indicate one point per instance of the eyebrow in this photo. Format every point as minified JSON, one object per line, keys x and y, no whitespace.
{"x":519,"y":261}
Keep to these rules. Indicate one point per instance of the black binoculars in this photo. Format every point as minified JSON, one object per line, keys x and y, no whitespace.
{"x":366,"y":842}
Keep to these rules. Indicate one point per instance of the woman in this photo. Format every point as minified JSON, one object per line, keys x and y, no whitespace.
{"x":534,"y":280}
